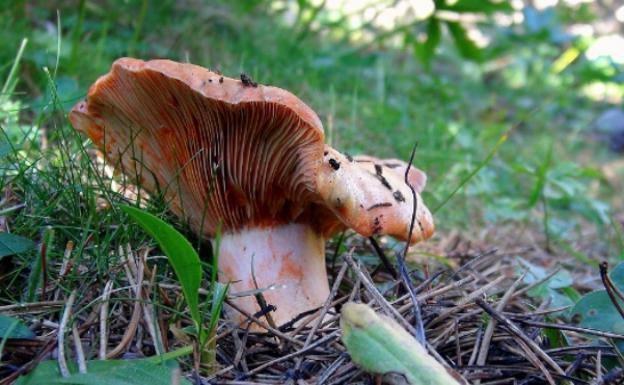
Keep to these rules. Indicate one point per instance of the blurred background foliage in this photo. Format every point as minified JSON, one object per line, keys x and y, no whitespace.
{"x":526,"y":92}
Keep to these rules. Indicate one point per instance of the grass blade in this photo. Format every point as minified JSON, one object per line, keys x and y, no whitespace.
{"x":9,"y":80}
{"x":474,"y":172}
{"x":181,"y":254}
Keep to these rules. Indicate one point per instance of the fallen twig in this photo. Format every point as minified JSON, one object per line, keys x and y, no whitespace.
{"x":103,"y":320}
{"x":62,"y":361}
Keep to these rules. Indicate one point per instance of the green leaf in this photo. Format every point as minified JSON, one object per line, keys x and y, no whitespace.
{"x":542,"y":175}
{"x":379,"y":345}
{"x":572,"y":293}
{"x":617,"y":276}
{"x":111,"y":372}
{"x":14,"y":328}
{"x":466,"y":47}
{"x":180,"y":252}
{"x":535,"y":273}
{"x":426,"y":50}
{"x":556,"y":337}
{"x":477,"y":6}
{"x":35,"y":277}
{"x":218,"y":297}
{"x":554,"y":297}
{"x":5,"y":148}
{"x":596,"y":311}
{"x":11,"y":80}
{"x":14,"y":244}
{"x":556,"y":289}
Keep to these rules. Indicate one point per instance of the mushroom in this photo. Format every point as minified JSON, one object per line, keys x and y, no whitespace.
{"x":252,"y":159}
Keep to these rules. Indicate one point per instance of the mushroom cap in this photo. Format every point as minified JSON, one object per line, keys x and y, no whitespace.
{"x":219,"y":149}
{"x":370,"y":195}
{"x":234,"y":153}
{"x":416,"y":177}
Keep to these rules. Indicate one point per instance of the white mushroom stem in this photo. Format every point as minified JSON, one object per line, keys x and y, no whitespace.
{"x":288,"y":258}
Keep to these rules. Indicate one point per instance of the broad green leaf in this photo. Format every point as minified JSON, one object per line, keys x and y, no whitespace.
{"x":535,"y":273}
{"x":596,"y":311}
{"x":466,"y":47}
{"x":14,"y":244}
{"x":555,"y":289}
{"x":14,"y":328}
{"x":178,"y":249}
{"x":379,"y":345}
{"x":111,"y":372}
{"x":554,"y":297}
{"x":617,"y":276}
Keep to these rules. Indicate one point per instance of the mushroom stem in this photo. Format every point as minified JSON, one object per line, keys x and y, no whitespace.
{"x":289,"y":259}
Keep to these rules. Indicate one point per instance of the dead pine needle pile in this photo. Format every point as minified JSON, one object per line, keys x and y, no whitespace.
{"x":478,"y":320}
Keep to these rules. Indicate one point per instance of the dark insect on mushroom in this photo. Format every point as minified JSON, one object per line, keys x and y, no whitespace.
{"x":334,"y":164}
{"x":384,"y":182}
{"x":382,"y":179}
{"x":247,"y":81}
{"x":378,"y":170}
{"x":221,"y":79}
{"x":378,"y":205}
{"x":398,"y":196}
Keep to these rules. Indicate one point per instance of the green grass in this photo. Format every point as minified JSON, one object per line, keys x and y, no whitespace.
{"x":373,"y":98}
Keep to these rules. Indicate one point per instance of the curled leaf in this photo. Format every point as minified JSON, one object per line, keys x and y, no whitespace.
{"x":379,"y":345}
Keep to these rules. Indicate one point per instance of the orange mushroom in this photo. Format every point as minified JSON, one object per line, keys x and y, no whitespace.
{"x":252,"y":159}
